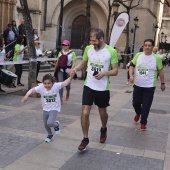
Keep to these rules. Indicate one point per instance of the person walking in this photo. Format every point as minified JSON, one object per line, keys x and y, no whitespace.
{"x":18,"y":56}
{"x":39,"y":53}
{"x":14,"y":28}
{"x":22,"y":31}
{"x":62,"y":74}
{"x":35,"y":34}
{"x":145,"y":66}
{"x":50,"y":99}
{"x":9,"y":38}
{"x":101,"y":61}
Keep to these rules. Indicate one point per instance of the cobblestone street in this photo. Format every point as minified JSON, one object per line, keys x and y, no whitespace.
{"x":22,"y":132}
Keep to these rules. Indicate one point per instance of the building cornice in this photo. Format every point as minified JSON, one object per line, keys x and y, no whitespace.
{"x":146,"y":9}
{"x":32,"y":11}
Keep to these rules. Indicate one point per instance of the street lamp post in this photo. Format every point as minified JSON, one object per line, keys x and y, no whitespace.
{"x":165,"y":38}
{"x":115,"y":7}
{"x":58,"y":43}
{"x":136,"y":26}
{"x":161,"y":44}
{"x":156,"y":27}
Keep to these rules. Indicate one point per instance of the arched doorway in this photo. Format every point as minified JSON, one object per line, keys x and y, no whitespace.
{"x":78,"y":31}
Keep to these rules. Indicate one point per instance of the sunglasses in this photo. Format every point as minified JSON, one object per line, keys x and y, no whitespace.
{"x":64,"y":45}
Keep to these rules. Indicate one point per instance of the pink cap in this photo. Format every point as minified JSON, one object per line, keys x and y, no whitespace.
{"x":66,"y":42}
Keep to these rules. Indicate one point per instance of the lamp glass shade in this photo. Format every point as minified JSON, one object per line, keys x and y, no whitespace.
{"x":115,"y":7}
{"x":162,"y":34}
{"x":136,"y":21}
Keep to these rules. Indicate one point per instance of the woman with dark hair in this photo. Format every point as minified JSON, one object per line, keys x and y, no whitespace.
{"x":35,"y":34}
{"x":14,"y":28}
{"x":18,"y":56}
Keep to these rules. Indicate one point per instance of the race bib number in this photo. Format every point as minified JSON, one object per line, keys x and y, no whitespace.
{"x":142,"y":72}
{"x":96,"y":67}
{"x":48,"y":100}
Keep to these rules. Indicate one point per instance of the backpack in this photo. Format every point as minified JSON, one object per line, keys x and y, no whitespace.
{"x":63,"y":60}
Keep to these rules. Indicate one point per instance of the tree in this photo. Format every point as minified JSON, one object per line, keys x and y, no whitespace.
{"x":128,"y":7}
{"x":30,"y":43}
{"x":166,"y":2}
{"x":58,"y":44}
{"x":128,"y":4}
{"x":87,"y":32}
{"x":88,"y":25}
{"x":108,"y":22}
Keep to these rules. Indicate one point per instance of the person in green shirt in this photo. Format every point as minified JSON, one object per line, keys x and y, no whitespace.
{"x":18,"y":56}
{"x":145,"y":66}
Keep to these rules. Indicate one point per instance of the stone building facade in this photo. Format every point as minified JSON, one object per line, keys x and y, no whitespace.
{"x":165,"y":27}
{"x":7,"y":12}
{"x":45,"y":17}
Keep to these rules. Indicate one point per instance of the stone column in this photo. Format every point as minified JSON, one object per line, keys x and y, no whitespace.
{"x":1,"y":15}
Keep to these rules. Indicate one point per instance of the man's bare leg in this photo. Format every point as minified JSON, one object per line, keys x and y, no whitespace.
{"x":85,"y":122}
{"x":104,"y":118}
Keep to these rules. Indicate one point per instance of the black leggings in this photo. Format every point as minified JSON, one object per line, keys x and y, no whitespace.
{"x":18,"y":72}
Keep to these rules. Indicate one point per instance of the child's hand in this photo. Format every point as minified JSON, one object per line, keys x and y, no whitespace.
{"x":24,"y":99}
{"x":71,"y":73}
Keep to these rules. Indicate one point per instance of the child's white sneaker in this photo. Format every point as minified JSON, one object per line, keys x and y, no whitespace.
{"x":127,"y":83}
{"x":48,"y":139}
{"x":57,"y":128}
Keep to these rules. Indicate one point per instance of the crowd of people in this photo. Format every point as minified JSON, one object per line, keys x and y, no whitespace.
{"x":100,"y":61}
{"x":13,"y":45}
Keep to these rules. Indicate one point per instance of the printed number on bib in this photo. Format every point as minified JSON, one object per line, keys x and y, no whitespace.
{"x":50,"y":100}
{"x":96,"y":69}
{"x":142,"y":72}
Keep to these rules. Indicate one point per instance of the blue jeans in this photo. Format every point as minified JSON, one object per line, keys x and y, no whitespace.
{"x":142,"y":101}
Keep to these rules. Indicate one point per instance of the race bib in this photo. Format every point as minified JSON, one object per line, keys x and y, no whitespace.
{"x":142,"y":72}
{"x":50,"y":100}
{"x":96,"y":67}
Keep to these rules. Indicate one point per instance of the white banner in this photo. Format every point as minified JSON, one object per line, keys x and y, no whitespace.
{"x":118,"y":27}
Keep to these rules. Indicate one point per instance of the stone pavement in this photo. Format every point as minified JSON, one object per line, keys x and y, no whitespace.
{"x":127,"y":148}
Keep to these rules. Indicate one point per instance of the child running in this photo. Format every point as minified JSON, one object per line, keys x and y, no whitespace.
{"x":50,"y":99}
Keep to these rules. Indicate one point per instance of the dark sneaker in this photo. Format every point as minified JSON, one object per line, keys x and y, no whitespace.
{"x":12,"y":86}
{"x":20,"y":84}
{"x":143,"y":127}
{"x":48,"y":139}
{"x":136,"y":118}
{"x":2,"y":90}
{"x":57,"y":128}
{"x":103,"y":135}
{"x":83,"y":145}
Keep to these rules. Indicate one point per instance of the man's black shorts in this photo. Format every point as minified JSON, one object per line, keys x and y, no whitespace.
{"x":100,"y":98}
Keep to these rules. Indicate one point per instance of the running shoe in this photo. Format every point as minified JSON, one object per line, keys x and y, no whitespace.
{"x":48,"y":139}
{"x":2,"y":90}
{"x":83,"y":145}
{"x":136,"y":118}
{"x":67,"y":96}
{"x":57,"y":128}
{"x":20,"y":84}
{"x":103,"y":135}
{"x":143,"y":127}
